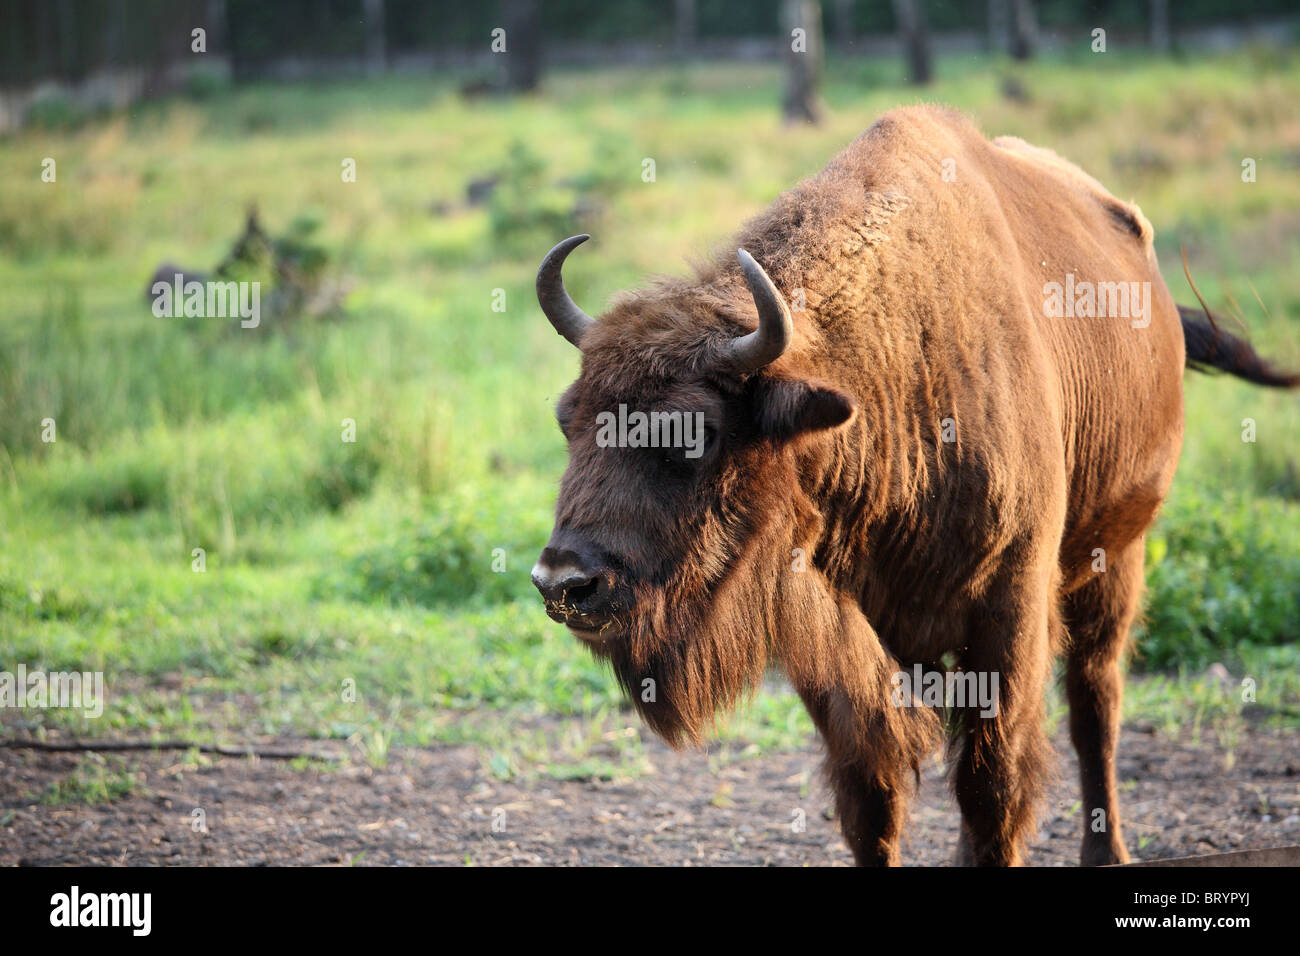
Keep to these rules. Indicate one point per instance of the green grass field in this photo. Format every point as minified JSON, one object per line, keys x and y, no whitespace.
{"x":373,"y":561}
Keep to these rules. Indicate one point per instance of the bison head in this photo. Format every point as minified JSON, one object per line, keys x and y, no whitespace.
{"x":686,"y":511}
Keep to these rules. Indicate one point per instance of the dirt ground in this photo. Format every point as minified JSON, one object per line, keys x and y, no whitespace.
{"x":443,"y":806}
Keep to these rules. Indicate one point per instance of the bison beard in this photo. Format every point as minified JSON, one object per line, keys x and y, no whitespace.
{"x":704,"y":649}
{"x":690,"y":655}
{"x":920,"y":464}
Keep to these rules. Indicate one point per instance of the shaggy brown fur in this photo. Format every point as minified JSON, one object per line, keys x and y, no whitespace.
{"x":829,"y":528}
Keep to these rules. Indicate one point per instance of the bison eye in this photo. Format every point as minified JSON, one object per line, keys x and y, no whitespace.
{"x":687,"y":458}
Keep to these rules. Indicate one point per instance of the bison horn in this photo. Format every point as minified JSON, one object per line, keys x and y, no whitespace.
{"x":569,"y":320}
{"x":748,"y":353}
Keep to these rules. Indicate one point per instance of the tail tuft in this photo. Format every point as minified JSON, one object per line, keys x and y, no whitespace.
{"x":1211,"y":349}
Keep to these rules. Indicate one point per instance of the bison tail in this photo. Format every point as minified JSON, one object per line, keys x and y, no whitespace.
{"x":1211,"y":349}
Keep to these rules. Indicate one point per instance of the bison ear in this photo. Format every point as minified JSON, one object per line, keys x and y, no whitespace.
{"x":790,"y":407}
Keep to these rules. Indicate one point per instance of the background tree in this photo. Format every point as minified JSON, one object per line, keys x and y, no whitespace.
{"x":1160,"y":25}
{"x":804,"y":54}
{"x":844,"y":33}
{"x":910,"y":15}
{"x":1024,"y":29}
{"x":684,"y":25}
{"x":998,"y":26}
{"x":523,"y":45}
{"x":372,"y":12}
{"x":218,"y":25}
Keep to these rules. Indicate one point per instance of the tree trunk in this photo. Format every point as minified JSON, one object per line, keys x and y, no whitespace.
{"x":1160,"y":25}
{"x":999,"y":26}
{"x":802,"y":22}
{"x":684,"y":25}
{"x":218,"y":26}
{"x":916,"y":41}
{"x":1024,"y":29}
{"x":523,"y":45}
{"x":844,"y":23}
{"x":376,"y":46}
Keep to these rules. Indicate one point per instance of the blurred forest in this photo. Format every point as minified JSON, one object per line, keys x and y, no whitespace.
{"x":65,"y":39}
{"x":370,"y":473}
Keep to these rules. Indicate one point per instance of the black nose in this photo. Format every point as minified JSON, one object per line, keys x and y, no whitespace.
{"x":570,"y":590}
{"x":572,"y":582}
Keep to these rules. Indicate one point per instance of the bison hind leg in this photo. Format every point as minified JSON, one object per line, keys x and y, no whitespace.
{"x":1099,"y":615}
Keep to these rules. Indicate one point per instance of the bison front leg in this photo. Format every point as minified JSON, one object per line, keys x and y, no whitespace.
{"x":870,"y":783}
{"x":873,"y":748}
{"x":1002,"y":748}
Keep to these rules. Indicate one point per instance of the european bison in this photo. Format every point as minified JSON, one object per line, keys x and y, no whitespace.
{"x":941,"y":402}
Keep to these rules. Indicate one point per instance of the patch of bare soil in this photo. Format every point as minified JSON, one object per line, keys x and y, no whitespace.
{"x":442,"y":806}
